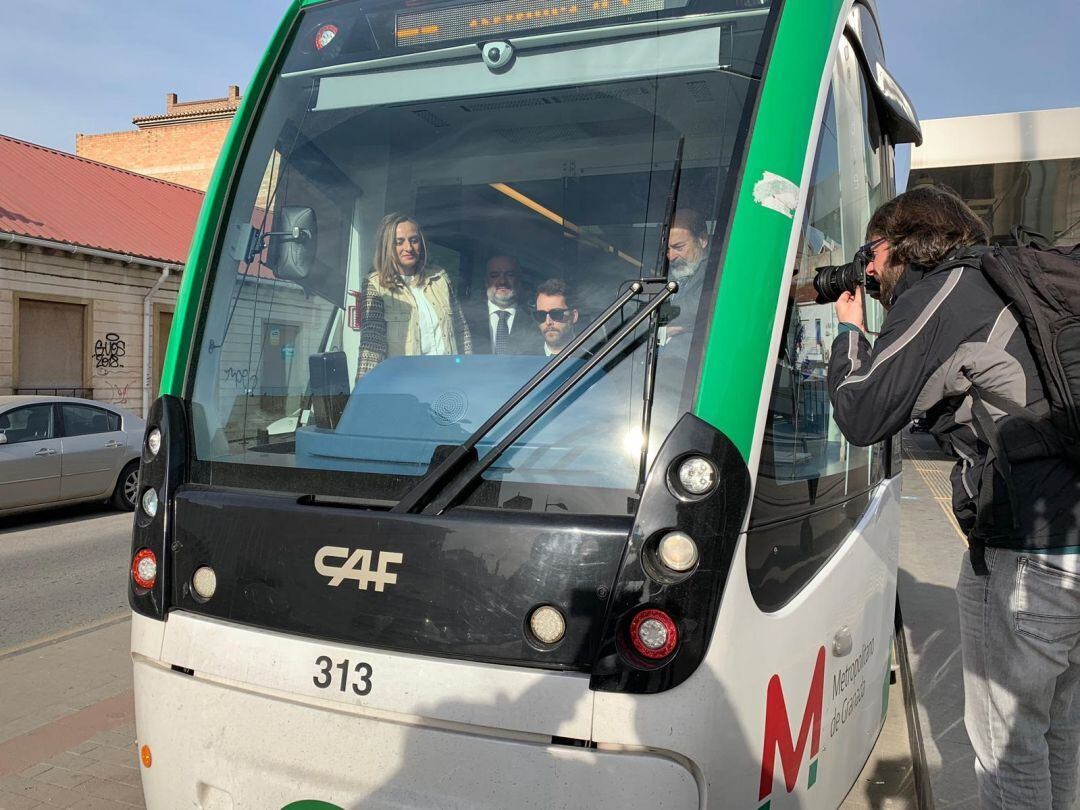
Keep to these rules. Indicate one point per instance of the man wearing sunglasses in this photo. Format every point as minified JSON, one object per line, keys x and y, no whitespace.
{"x":555,"y":315}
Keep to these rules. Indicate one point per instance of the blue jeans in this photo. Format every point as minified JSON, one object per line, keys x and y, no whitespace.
{"x":1020,"y":638}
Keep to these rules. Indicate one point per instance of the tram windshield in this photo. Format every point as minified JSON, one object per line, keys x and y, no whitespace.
{"x":417,"y":230}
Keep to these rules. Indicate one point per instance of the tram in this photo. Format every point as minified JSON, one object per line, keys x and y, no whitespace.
{"x":601,"y":545}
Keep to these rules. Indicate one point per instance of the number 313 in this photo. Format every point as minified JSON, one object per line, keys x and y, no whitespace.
{"x":361,"y":683}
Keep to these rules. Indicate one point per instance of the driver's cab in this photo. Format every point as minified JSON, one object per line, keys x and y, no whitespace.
{"x":571,"y":181}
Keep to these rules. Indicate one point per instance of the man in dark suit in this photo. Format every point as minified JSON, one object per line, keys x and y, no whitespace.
{"x":498,"y":324}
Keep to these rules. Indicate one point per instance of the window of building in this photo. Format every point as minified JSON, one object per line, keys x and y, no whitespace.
{"x":51,"y":339}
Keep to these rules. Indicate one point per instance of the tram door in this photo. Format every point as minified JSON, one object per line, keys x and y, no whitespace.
{"x":821,"y":549}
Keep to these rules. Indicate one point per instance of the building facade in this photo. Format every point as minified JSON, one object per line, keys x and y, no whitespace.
{"x":1012,"y":169}
{"x":180,"y":146}
{"x":90,"y":264}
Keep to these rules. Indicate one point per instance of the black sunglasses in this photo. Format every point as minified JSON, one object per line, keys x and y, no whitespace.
{"x":557,"y":315}
{"x":866,"y":252}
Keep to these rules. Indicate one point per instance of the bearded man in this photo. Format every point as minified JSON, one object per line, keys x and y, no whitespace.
{"x":950,"y":346}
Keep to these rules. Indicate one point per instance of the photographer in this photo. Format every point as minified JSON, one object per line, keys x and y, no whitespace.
{"x":948,"y":347}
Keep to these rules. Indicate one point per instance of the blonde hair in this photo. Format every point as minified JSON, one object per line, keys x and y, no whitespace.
{"x":385,"y":262}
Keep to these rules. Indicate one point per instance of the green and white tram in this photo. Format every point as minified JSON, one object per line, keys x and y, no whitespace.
{"x":646,"y":570}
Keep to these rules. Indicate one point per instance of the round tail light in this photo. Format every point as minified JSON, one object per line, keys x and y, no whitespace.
{"x":144,"y":568}
{"x":653,"y":634}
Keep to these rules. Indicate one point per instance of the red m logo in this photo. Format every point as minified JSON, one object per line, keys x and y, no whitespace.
{"x":778,"y":731}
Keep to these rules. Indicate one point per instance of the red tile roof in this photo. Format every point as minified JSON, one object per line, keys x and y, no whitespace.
{"x":48,"y":194}
{"x":206,"y":112}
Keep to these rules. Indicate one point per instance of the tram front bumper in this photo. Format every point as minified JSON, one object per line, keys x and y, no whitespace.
{"x":218,"y":745}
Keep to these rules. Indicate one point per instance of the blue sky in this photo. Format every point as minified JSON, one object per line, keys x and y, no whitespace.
{"x":91,"y":65}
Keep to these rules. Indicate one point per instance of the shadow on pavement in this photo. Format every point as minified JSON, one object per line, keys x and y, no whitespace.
{"x":57,"y":516}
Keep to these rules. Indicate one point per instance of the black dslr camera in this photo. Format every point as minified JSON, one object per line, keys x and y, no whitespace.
{"x":832,"y":280}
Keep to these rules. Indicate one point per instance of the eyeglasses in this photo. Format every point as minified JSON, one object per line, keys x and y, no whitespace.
{"x":557,"y":315}
{"x":867,"y":250}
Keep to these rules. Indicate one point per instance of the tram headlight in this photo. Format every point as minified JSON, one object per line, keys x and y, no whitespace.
{"x":696,"y":477}
{"x":204,"y":582}
{"x":547,"y":625}
{"x":153,"y":442}
{"x":162,"y":450}
{"x":150,"y":501}
{"x":677,"y":551}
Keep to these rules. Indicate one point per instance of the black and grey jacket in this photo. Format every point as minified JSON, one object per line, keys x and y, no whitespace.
{"x":949,"y":336}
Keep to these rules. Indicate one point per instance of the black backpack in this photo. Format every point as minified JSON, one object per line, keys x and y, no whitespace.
{"x":1043,"y":284}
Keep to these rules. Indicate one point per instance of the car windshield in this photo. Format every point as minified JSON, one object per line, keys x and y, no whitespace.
{"x":407,"y":245}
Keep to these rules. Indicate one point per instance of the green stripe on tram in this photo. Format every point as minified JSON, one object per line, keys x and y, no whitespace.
{"x":738,"y":345}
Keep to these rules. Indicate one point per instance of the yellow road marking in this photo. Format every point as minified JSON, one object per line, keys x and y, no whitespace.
{"x":940,"y":487}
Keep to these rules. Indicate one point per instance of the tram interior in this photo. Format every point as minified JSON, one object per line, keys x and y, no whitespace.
{"x":571,"y":182}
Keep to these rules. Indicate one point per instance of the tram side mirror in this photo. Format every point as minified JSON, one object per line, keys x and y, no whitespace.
{"x":290,"y":247}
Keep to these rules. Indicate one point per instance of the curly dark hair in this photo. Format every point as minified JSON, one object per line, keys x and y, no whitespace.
{"x":556,"y":287}
{"x":924,"y":225}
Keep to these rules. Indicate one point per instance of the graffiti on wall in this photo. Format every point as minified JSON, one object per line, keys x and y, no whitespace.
{"x":241,"y":378}
{"x":108,"y":352}
{"x":120,"y":395}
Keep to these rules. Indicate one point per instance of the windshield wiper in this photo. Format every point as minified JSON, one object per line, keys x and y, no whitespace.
{"x":662,"y":272}
{"x":463,"y":465}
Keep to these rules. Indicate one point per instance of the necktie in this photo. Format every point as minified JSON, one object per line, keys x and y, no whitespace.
{"x":502,"y":332}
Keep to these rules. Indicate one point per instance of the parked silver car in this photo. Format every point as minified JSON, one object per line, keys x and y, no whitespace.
{"x":63,"y":450}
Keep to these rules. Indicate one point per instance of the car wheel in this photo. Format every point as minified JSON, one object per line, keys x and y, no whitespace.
{"x":126,"y":494}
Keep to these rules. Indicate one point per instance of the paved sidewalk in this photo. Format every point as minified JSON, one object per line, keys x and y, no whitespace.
{"x":67,"y":723}
{"x":931,"y":552}
{"x":887,"y":780}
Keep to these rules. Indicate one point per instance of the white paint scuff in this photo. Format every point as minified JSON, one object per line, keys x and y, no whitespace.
{"x":777,"y":193}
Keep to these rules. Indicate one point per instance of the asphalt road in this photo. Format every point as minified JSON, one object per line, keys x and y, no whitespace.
{"x":61,"y":571}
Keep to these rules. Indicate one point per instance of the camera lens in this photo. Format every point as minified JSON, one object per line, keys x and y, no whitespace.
{"x":833,"y":280}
